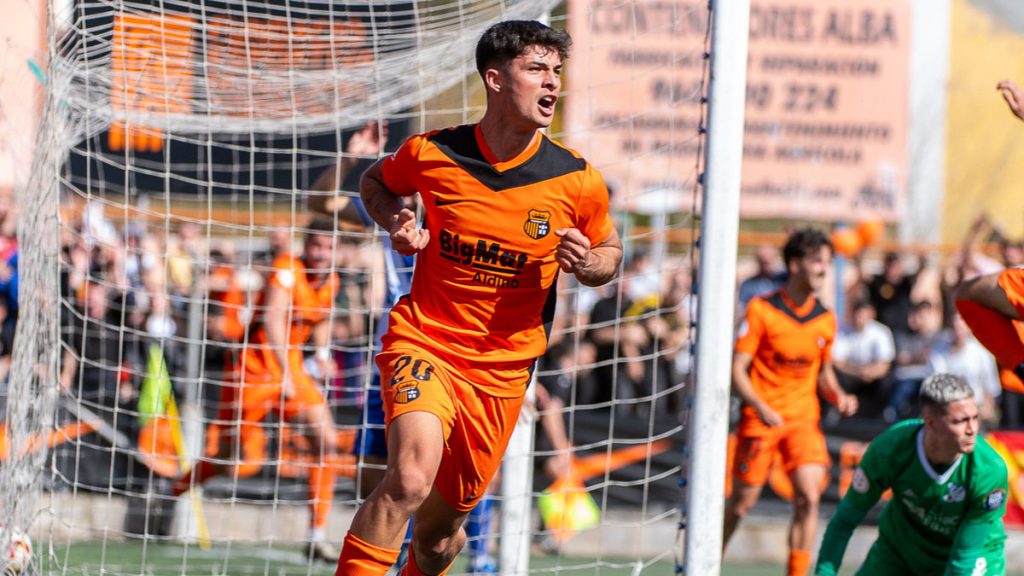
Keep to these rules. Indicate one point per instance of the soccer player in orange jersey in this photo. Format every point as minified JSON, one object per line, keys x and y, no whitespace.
{"x":993,"y":305}
{"x":505,"y":208}
{"x":293,"y":312}
{"x":782,"y":358}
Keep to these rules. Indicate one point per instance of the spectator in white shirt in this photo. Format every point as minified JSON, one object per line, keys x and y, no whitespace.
{"x":862,"y":355}
{"x":965,"y":357}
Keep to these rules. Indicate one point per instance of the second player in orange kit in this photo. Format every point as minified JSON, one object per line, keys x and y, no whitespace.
{"x":782,"y":357}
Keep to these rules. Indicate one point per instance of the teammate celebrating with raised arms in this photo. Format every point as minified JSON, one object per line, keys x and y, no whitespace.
{"x":505,"y":208}
{"x":949,"y":494}
{"x":993,"y":305}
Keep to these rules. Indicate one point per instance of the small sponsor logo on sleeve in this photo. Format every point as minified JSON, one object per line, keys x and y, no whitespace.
{"x":860,"y":482}
{"x":995,"y":499}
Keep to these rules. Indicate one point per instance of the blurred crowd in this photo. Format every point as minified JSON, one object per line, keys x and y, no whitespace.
{"x":898,"y":324}
{"x":147,"y":294}
{"x":145,"y":298}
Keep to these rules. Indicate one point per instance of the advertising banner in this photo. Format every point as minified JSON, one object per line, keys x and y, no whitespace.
{"x":826,"y":116}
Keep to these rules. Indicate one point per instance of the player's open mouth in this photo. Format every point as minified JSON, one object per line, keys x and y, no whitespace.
{"x":547,"y":105}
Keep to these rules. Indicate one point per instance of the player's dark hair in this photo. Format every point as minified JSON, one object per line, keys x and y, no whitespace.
{"x":505,"y":41}
{"x":939,"y":390}
{"x":804,"y":241}
{"x":320,"y":225}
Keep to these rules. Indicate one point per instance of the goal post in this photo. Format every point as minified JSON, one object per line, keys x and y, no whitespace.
{"x":709,"y":424}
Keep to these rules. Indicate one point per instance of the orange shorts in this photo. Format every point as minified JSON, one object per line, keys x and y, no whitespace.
{"x":260,"y":392}
{"x":476,"y":425}
{"x":1011,"y":281}
{"x":798,"y":443}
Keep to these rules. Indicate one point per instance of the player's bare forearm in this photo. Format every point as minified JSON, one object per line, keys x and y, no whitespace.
{"x":1014,"y":97}
{"x":275,"y":323}
{"x":380,"y":202}
{"x":744,"y":388}
{"x":600,"y":263}
{"x":322,"y":334}
{"x":67,"y":372}
{"x":327,"y":197}
{"x":834,"y":393}
{"x":741,"y":384}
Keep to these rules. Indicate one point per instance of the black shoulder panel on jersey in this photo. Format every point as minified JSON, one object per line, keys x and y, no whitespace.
{"x":777,"y":302}
{"x":550,"y":161}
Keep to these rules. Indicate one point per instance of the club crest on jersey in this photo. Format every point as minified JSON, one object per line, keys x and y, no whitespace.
{"x":995,"y":499}
{"x":407,"y":392}
{"x":538,"y":224}
{"x":860,"y":482}
{"x":954,"y":493}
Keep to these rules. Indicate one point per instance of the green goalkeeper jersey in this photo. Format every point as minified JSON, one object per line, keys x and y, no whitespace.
{"x":938,"y":521}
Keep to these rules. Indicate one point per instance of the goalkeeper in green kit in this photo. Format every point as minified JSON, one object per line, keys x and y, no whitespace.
{"x":948,"y":494}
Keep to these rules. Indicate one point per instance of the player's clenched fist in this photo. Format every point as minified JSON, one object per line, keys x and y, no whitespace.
{"x":406,"y":237}
{"x":572,"y":251}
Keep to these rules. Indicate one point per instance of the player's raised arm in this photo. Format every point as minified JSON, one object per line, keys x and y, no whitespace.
{"x":366,"y":143}
{"x":1014,"y":97}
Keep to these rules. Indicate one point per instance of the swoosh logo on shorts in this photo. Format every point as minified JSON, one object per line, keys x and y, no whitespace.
{"x":442,"y":202}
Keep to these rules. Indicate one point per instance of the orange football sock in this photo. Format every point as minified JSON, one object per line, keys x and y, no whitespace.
{"x":1001,"y":335}
{"x":411,"y":569}
{"x":360,"y":558}
{"x":321,"y":494}
{"x":799,"y":562}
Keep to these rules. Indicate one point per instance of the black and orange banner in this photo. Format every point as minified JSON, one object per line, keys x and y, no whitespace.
{"x":151,"y":63}
{"x":169,"y":64}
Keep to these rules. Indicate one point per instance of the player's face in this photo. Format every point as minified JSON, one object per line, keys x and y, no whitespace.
{"x":319,"y":252}
{"x":531,"y":85}
{"x":958,"y":426}
{"x":812,"y":268}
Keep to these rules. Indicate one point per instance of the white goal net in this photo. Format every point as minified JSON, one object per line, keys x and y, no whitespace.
{"x":184,"y":148}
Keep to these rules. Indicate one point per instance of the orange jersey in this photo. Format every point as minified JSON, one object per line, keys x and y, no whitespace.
{"x":1011,"y":281}
{"x":483,"y":290}
{"x":310,"y":304}
{"x":231,"y":301}
{"x":788,"y":345}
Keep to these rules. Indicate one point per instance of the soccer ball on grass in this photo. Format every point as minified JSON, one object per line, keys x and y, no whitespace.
{"x":18,"y":556}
